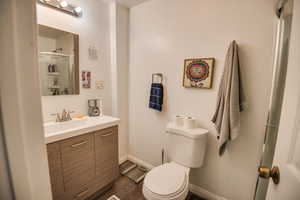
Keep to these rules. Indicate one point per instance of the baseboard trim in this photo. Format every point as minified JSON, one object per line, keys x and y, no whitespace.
{"x":205,"y":193}
{"x":193,"y":188}
{"x":140,"y":162}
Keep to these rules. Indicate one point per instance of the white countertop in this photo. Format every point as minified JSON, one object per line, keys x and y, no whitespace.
{"x":55,"y":131}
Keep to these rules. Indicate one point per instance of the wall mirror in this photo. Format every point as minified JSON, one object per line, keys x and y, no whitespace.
{"x":58,"y":61}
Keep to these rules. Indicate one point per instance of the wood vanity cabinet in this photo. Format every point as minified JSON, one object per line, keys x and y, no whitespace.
{"x":106,"y":149}
{"x":55,"y":170}
{"x":82,"y":165}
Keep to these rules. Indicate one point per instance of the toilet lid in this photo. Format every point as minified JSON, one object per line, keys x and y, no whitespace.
{"x":166,"y":180}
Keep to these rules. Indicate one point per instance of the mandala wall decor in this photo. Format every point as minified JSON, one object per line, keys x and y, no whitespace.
{"x":198,"y":73}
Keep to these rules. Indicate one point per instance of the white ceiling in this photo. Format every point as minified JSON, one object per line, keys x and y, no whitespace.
{"x":128,"y":3}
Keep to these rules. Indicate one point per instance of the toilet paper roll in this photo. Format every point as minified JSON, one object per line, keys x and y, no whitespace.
{"x":189,"y":123}
{"x":179,"y":120}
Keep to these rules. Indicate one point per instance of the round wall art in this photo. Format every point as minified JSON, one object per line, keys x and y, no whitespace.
{"x":198,"y":73}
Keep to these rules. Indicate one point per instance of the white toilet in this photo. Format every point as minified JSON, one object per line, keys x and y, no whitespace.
{"x":186,"y":149}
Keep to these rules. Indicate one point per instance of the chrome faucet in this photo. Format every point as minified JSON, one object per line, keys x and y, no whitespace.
{"x":64,"y":116}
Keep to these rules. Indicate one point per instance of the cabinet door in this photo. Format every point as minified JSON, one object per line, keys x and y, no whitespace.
{"x":106,"y":149}
{"x":54,"y":160}
{"x":78,"y":163}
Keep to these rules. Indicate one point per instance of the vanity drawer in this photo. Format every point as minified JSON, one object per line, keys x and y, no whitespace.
{"x":78,"y":163}
{"x":55,"y":171}
{"x":106,"y":151}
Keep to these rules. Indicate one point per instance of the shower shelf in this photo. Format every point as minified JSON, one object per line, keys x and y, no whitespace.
{"x":54,"y":87}
{"x":53,"y":73}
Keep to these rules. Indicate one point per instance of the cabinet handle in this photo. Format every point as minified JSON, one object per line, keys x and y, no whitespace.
{"x":105,"y":135}
{"x":79,"y":144}
{"x":82,"y":193}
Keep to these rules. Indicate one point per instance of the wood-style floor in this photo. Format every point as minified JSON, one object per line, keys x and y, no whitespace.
{"x":126,"y":189}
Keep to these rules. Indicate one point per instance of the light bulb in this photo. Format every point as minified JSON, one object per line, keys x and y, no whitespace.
{"x":78,"y":9}
{"x":63,"y":4}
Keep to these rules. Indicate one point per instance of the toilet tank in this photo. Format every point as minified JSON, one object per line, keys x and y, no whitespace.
{"x":186,"y":146}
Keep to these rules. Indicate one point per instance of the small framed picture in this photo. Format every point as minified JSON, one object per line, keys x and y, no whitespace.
{"x":86,"y":79}
{"x":198,"y":72}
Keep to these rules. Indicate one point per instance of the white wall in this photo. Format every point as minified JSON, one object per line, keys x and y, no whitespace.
{"x":21,"y":103}
{"x":165,"y":32}
{"x":93,"y":29}
{"x":120,"y":68}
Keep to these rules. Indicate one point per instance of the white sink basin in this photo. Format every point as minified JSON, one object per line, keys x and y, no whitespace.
{"x":54,"y":127}
{"x":55,"y":131}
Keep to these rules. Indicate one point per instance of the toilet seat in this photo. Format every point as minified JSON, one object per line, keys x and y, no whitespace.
{"x":167,"y":181}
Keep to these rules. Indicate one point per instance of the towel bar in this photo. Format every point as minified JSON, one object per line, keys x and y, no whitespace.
{"x":157,"y":74}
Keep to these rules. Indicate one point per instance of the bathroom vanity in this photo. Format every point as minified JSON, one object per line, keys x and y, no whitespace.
{"x":82,"y":153}
{"x":82,"y":156}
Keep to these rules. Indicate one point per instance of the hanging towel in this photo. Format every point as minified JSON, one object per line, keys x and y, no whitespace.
{"x":156,"y":96}
{"x":230,"y":100}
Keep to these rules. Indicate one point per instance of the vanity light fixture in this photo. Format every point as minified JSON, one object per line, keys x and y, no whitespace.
{"x":78,"y":9}
{"x":62,"y":5}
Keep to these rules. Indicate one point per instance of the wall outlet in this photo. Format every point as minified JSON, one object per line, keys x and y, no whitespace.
{"x":99,"y":84}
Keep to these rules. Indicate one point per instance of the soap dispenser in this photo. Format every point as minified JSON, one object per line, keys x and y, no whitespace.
{"x":94,"y":109}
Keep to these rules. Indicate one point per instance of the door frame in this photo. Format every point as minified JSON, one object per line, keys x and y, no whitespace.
{"x":284,"y":12}
{"x":6,"y":191}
